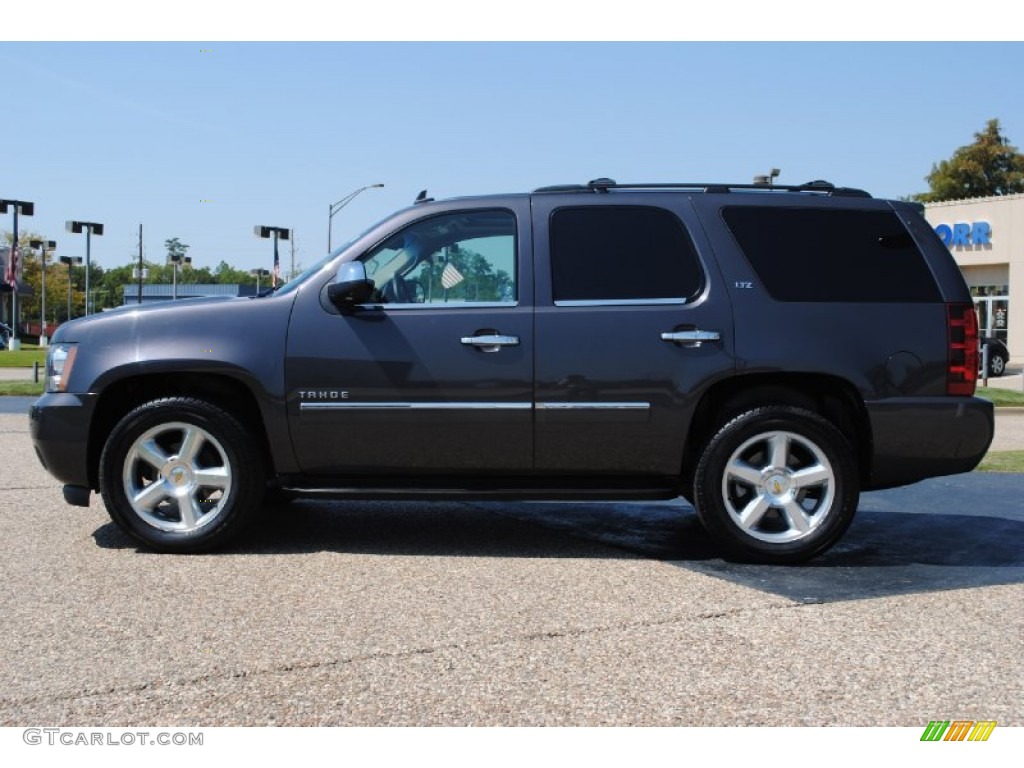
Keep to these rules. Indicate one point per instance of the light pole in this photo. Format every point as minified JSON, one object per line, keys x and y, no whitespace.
{"x":259,"y":273}
{"x":177,"y":260}
{"x":42,"y":245}
{"x":90,"y":228}
{"x":140,"y":271}
{"x":26,"y":209}
{"x":275,"y":232}
{"x":768,"y":179}
{"x":333,"y":209}
{"x":70,"y":261}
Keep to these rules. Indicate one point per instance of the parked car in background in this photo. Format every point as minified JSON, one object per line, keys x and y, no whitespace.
{"x":998,"y":355}
{"x":5,"y":334}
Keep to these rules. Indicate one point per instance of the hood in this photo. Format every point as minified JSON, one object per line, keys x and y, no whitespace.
{"x":170,"y":312}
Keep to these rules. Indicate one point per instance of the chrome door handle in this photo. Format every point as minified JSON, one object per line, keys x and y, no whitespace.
{"x":692,"y":338}
{"x":490,"y":342}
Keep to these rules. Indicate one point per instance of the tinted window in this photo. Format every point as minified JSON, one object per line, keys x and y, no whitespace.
{"x":814,"y":254}
{"x":606,"y":253}
{"x":452,"y":259}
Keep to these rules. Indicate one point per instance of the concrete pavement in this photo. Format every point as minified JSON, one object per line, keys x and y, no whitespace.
{"x":19,"y":374}
{"x":465,"y":614}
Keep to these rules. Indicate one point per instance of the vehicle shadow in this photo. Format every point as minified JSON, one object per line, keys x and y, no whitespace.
{"x":428,"y":529}
{"x":921,"y":538}
{"x":889,"y":549}
{"x":928,"y":537}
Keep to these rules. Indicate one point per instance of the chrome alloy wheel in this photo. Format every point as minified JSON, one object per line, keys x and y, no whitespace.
{"x":177,"y":477}
{"x":778,"y":487}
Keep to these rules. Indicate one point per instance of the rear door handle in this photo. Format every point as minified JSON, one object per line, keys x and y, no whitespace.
{"x":692,"y":338}
{"x":490,"y":342}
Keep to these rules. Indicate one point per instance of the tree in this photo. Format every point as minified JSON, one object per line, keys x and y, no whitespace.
{"x":175,"y":248}
{"x":990,"y":166}
{"x":226,"y":274}
{"x":29,"y":307}
{"x":111,"y":290}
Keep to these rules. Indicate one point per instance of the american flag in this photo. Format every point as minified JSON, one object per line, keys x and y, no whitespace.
{"x":11,"y":273}
{"x":451,"y":277}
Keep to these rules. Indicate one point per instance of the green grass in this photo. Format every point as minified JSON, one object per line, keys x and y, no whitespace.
{"x":23,"y":358}
{"x":1002,"y":397}
{"x":21,"y":388}
{"x":1002,"y":461}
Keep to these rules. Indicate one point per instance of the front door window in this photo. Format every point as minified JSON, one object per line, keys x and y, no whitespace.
{"x":454,"y":259}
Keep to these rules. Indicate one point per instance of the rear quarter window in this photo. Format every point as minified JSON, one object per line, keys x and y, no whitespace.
{"x":831,"y":255}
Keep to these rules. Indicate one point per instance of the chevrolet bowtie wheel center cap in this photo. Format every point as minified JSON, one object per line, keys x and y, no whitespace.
{"x":178,"y":476}
{"x":777,"y":485}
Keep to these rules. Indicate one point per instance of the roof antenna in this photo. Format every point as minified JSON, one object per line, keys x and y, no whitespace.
{"x":422,"y":198}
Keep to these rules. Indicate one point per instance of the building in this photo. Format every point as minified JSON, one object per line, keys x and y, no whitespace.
{"x":986,"y":237}
{"x":154,"y":293}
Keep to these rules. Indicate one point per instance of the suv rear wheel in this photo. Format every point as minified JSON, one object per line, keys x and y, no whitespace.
{"x":777,"y":484}
{"x":181,"y":475}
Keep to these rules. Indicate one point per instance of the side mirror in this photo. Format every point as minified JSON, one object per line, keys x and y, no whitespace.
{"x":351,"y":286}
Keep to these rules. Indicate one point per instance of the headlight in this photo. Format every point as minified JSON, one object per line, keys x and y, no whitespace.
{"x":59,"y":360}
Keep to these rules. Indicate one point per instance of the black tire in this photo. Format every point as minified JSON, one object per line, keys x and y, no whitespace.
{"x":996,"y":365}
{"x":793,"y":474}
{"x":181,"y":475}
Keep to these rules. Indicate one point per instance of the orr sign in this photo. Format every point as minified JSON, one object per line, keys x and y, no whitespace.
{"x":964,"y":234}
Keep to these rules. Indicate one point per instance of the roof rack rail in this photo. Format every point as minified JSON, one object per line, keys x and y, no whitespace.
{"x":603,"y":185}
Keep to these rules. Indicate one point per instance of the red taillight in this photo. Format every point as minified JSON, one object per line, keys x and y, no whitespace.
{"x":962,"y":354}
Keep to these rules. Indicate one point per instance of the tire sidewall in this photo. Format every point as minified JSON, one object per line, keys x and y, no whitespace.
{"x":711,"y":507}
{"x":244,"y":461}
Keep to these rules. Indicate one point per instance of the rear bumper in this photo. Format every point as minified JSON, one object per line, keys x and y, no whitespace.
{"x":59,"y":424}
{"x":921,"y":437}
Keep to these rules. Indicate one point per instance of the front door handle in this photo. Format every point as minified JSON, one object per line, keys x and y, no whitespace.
{"x":691,"y":338}
{"x":490,"y":342}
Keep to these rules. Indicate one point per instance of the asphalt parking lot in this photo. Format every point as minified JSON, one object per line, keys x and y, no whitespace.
{"x":510,"y":614}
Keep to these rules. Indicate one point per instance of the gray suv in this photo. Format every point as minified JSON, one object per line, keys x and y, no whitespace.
{"x":765,"y":353}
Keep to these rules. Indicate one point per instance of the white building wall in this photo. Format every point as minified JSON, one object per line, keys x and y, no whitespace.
{"x":1001,"y":261}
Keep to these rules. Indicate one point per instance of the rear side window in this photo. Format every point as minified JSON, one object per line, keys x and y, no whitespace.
{"x":628,"y":254}
{"x":814,"y":254}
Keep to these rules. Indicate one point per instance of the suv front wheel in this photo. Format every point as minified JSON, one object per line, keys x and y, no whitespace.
{"x":181,"y":475}
{"x":777,"y":484}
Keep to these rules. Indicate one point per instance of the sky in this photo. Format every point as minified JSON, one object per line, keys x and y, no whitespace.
{"x":210,"y":127}
{"x":203,"y":140}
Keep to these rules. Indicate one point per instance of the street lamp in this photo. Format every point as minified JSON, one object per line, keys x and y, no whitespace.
{"x":177,"y":260}
{"x":70,"y":261}
{"x":26,"y":209}
{"x":90,"y":228}
{"x":43,"y":245}
{"x":275,"y":232}
{"x":259,"y":273}
{"x":341,"y":204}
{"x":768,"y":179}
